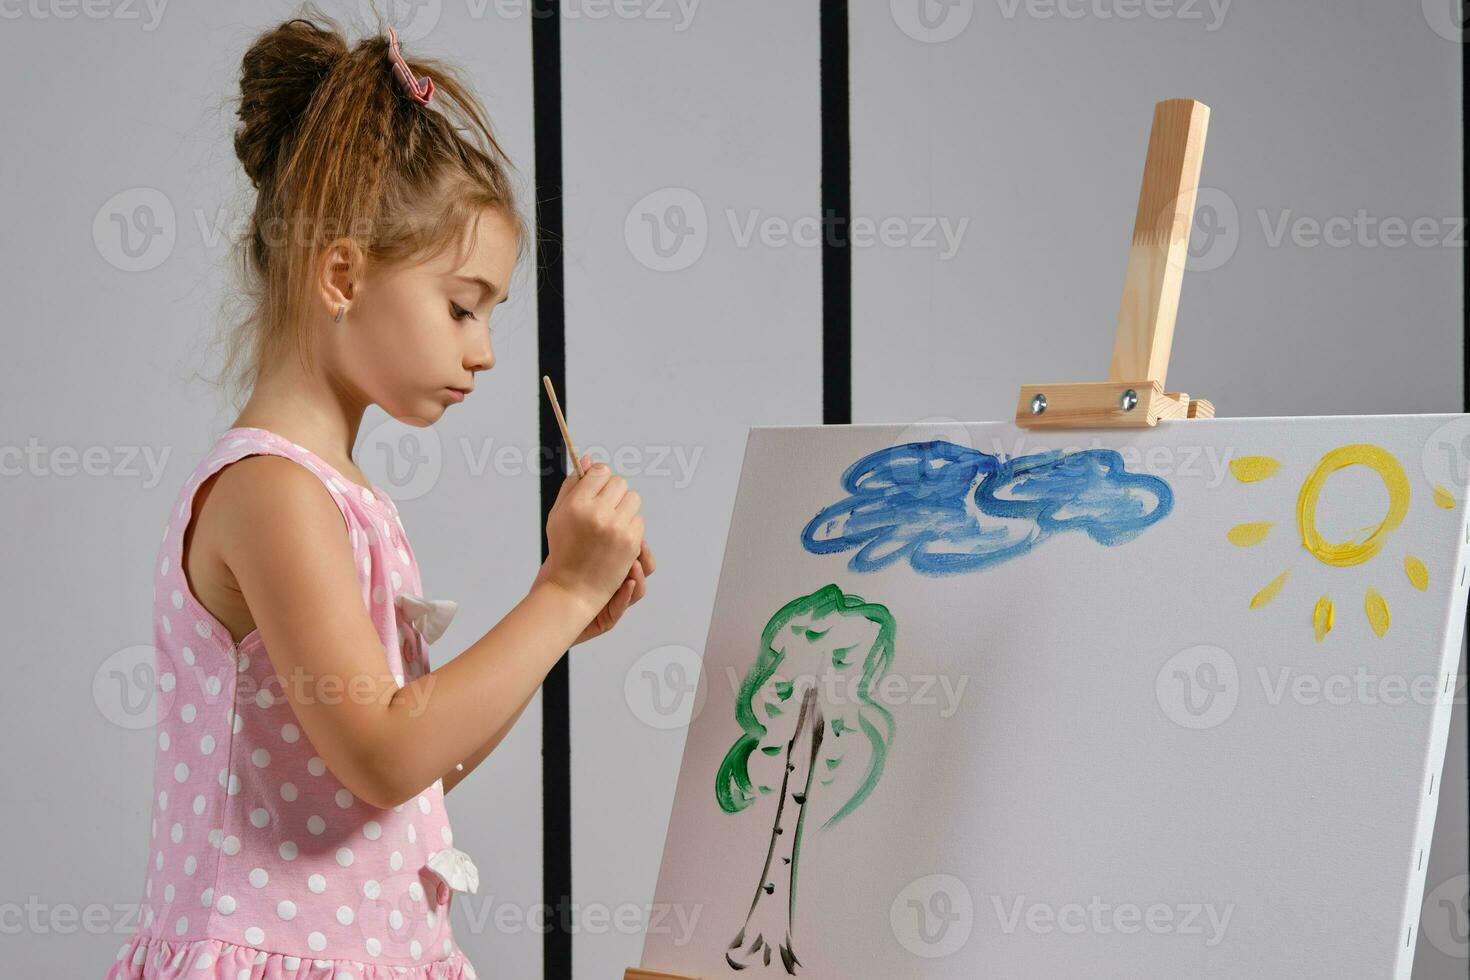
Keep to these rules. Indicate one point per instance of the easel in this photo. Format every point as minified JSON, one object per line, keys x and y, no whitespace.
{"x":1134,"y":393}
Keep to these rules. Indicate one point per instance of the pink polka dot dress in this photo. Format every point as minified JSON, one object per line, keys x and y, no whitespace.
{"x":261,"y":865}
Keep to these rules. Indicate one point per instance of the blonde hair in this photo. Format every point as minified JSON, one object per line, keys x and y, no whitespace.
{"x":336,"y":148}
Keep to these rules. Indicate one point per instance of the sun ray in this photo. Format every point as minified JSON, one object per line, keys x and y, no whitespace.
{"x":1249,"y":469}
{"x":1418,"y":574}
{"x":1377,"y":609}
{"x":1269,"y":592}
{"x":1322,"y":617}
{"x":1245,"y":535}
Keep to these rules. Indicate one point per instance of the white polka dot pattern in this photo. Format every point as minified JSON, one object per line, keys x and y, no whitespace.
{"x":261,"y":863}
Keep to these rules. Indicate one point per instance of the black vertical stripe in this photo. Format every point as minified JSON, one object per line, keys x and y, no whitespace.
{"x":556,"y":754}
{"x":836,"y":217}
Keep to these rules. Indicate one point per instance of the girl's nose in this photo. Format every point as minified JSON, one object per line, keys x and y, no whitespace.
{"x":483,"y":357}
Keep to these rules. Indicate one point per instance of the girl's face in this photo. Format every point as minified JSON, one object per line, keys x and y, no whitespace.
{"x":413,"y":333}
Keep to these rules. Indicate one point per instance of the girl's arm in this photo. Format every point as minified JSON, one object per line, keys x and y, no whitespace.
{"x":630,"y":592}
{"x":452,"y":712}
{"x":453,"y":777}
{"x":285,"y":543}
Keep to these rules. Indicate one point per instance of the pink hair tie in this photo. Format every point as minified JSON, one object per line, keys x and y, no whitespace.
{"x":422,"y":88}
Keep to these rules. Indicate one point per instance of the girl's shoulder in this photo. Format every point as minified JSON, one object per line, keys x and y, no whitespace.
{"x":368,"y":515}
{"x":193,"y":577}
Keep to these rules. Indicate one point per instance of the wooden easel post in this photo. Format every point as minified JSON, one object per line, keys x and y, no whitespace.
{"x":1134,"y":393}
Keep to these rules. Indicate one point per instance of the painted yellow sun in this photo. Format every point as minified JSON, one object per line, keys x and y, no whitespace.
{"x":1339,"y":554}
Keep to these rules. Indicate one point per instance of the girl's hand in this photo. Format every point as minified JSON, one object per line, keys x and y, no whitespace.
{"x":633,"y":588}
{"x":594,"y":533}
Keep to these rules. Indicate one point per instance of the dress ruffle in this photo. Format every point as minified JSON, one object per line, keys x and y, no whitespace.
{"x":145,"y":957}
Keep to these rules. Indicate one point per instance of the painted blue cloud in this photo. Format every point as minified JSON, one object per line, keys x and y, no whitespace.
{"x":950,"y":509}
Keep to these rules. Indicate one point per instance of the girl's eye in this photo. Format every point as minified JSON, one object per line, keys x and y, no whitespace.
{"x":459,"y":312}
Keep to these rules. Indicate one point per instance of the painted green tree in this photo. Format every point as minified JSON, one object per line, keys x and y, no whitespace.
{"x":813,"y":734}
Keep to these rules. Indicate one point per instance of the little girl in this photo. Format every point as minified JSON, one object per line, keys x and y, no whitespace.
{"x":304,"y":747}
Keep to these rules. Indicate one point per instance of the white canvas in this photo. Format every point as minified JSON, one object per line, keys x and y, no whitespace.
{"x":1101,"y":735}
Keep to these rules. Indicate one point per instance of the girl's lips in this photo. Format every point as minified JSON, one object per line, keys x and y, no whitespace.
{"x":455,"y":394}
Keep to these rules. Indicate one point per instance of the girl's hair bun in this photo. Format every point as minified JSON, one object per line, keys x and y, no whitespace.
{"x":279,"y":74}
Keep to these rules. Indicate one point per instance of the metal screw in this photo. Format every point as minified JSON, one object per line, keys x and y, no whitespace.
{"x":1128,"y":400}
{"x":1038,"y":403}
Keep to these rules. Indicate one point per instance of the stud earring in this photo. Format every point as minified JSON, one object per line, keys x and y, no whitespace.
{"x":341,"y":309}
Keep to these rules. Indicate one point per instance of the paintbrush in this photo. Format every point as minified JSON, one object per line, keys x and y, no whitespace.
{"x":561,"y":421}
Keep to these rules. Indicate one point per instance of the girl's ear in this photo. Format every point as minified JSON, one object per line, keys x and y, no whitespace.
{"x":339,"y":272}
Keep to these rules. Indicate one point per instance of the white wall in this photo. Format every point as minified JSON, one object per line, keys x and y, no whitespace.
{"x":1030,"y":126}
